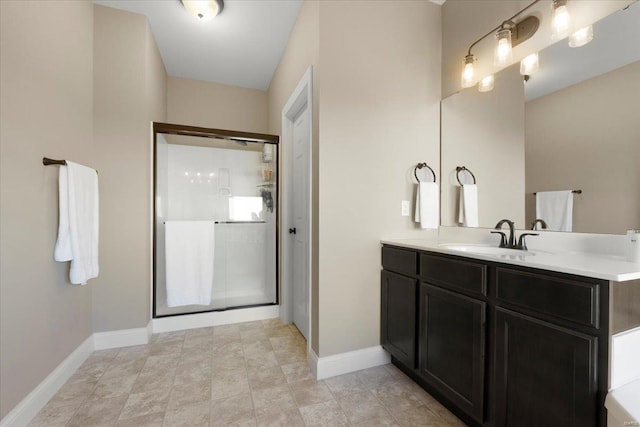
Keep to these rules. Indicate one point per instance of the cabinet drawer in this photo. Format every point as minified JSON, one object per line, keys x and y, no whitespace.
{"x":400,"y":260}
{"x":454,"y":273}
{"x":568,"y":299}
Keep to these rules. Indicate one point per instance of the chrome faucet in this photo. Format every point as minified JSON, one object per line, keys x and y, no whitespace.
{"x":503,"y":240}
{"x":538,"y":221}
{"x":511,"y":242}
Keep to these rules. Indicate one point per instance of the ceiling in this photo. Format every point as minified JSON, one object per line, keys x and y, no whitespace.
{"x":241,"y":47}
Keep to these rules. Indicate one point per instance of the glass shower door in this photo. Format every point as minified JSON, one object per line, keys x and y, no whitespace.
{"x":216,"y":216}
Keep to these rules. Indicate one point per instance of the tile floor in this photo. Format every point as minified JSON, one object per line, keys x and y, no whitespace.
{"x":247,"y":374}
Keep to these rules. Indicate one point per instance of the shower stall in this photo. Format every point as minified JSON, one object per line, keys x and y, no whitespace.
{"x":215,"y":243}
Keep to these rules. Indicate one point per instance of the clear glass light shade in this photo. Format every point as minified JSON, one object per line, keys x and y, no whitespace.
{"x":203,"y":10}
{"x":529,"y":64}
{"x":486,"y":84}
{"x":581,"y":37}
{"x":561,"y":21}
{"x":469,"y":72}
{"x":503,"y":55}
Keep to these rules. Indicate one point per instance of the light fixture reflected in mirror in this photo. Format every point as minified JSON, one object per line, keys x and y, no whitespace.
{"x":581,"y":37}
{"x":203,"y":10}
{"x":469,"y":72}
{"x":503,"y":52}
{"x":561,"y":20}
{"x":529,"y":64}
{"x":486,"y":84}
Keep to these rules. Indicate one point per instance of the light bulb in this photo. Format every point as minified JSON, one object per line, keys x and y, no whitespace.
{"x":561,"y":21}
{"x":203,"y":10}
{"x":503,"y":55}
{"x":581,"y":37}
{"x":486,"y":84}
{"x":529,"y":64}
{"x":469,"y":72}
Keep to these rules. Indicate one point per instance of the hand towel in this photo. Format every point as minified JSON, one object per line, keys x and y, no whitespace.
{"x":468,"y":206}
{"x":427,"y":205}
{"x":189,"y":262}
{"x":78,"y":225}
{"x":556,"y":209}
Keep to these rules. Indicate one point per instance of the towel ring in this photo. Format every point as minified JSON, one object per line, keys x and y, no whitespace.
{"x":462,"y":169}
{"x":420,"y":166}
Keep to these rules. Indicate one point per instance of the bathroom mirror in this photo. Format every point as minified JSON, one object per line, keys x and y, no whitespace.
{"x":573,"y":126}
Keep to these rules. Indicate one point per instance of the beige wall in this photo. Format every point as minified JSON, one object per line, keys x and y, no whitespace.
{"x":218,"y":106}
{"x":587,"y":137}
{"x":129,"y":87}
{"x":379,"y":116}
{"x":301,"y":52}
{"x":46,"y":110}
{"x":485,"y":133}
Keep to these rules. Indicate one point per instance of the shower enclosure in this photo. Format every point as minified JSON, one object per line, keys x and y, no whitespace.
{"x":215,"y":220}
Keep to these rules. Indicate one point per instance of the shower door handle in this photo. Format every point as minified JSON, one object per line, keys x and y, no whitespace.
{"x":292,"y":230}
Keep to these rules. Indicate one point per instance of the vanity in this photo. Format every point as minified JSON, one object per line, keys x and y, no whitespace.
{"x":494,"y":337}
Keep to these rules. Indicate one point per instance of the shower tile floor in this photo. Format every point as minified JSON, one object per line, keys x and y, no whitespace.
{"x":246,"y":374}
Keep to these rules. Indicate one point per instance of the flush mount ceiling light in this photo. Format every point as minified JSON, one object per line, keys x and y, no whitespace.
{"x":508,"y":34}
{"x":203,"y":10}
{"x":581,"y":37}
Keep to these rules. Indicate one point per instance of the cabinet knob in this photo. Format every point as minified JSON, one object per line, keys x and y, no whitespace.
{"x":292,"y":230}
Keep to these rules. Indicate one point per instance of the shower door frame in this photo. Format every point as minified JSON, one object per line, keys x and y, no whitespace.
{"x":176,"y":129}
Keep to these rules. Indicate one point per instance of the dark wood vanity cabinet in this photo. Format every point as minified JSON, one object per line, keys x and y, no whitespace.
{"x":499,"y":345}
{"x":398,"y":310}
{"x":452,"y":346}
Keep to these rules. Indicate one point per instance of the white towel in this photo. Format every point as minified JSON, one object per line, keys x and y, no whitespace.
{"x":189,"y":262}
{"x":427,"y":205}
{"x":556,"y":209}
{"x":468,"y":206}
{"x":78,"y":223}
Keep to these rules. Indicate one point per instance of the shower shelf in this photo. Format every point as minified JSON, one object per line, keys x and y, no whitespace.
{"x":265,"y":185}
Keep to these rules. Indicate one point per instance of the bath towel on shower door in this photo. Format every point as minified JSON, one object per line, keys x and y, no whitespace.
{"x":189,"y":262}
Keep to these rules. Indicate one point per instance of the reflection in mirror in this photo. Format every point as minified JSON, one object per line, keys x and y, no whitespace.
{"x":573,"y":126}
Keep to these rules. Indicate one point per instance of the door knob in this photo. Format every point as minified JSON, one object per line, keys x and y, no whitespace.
{"x":292,"y":230}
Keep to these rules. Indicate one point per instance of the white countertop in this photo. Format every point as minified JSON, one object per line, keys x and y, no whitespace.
{"x":599,"y":266}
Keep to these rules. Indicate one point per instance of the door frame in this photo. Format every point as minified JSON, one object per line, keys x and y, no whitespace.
{"x":301,"y":96}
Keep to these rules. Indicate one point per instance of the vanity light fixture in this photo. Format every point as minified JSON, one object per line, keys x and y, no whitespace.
{"x":486,"y":84}
{"x":508,"y":34}
{"x":203,"y":10}
{"x":581,"y":37}
{"x":529,"y":64}
{"x":561,"y":20}
{"x":503,"y":54}
{"x":469,"y":72}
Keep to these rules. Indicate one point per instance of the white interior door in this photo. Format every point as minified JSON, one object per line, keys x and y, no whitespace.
{"x":299,"y":230}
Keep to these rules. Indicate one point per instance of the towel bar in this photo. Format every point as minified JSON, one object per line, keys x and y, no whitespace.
{"x":47,"y":161}
{"x":462,"y":169}
{"x":573,"y":191}
{"x":420,"y":166}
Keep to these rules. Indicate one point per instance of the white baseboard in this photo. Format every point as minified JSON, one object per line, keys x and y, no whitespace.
{"x":121,"y":338}
{"x":203,"y":320}
{"x":312,"y":359}
{"x":29,"y":407}
{"x":344,"y":363}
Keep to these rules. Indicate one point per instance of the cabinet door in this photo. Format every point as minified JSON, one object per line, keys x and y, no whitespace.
{"x":398,"y":317}
{"x":452,"y":343}
{"x":545,"y":374}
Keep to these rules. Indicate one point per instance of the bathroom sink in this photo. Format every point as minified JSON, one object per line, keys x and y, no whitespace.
{"x":486,"y":250}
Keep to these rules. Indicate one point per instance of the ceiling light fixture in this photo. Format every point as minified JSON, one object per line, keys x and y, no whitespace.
{"x":203,"y":10}
{"x":561,"y":20}
{"x":508,"y":34}
{"x":581,"y":37}
{"x":529,"y":64}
